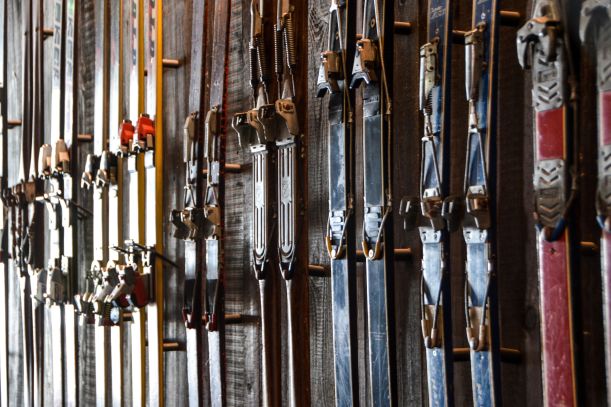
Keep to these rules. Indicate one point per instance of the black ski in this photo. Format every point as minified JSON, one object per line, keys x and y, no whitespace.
{"x":373,"y":70}
{"x":291,"y":189}
{"x":340,"y":239}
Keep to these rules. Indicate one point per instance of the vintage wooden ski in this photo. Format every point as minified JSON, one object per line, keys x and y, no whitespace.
{"x":20,"y":193}
{"x":340,"y":239}
{"x":256,"y":131}
{"x":292,"y":188}
{"x":110,"y":177}
{"x":543,"y":48}
{"x":35,"y":218}
{"x":4,"y":210}
{"x":100,"y":201}
{"x":215,"y":131}
{"x":373,"y":70}
{"x":438,"y":211}
{"x":190,"y":221}
{"x":595,"y":28}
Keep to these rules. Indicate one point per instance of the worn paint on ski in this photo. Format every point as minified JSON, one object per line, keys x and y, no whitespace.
{"x":542,"y":47}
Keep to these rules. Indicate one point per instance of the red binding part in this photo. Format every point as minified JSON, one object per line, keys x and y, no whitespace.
{"x":139,"y":296}
{"x":145,"y":127}
{"x":126,"y":132}
{"x":554,"y":280}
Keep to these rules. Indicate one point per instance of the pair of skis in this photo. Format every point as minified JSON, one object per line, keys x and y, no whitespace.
{"x":370,"y":62}
{"x":55,"y":168}
{"x":266,"y":129}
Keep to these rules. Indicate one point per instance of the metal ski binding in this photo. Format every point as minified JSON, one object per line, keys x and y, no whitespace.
{"x":91,"y":168}
{"x":44,"y":161}
{"x":365,"y":63}
{"x":107,"y":170}
{"x":543,"y":28}
{"x":60,"y":158}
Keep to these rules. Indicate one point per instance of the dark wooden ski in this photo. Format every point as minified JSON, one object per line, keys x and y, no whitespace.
{"x":190,"y":222}
{"x":436,"y":208}
{"x":595,"y":27}
{"x":291,"y":164}
{"x":481,"y":301}
{"x":543,"y":48}
{"x":373,"y":70}
{"x":340,"y":238}
{"x":256,"y":131}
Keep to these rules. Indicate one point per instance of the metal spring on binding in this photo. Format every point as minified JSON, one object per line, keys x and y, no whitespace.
{"x":253,"y":66}
{"x":289,"y":42}
{"x":264,"y":72}
{"x":278,"y":60}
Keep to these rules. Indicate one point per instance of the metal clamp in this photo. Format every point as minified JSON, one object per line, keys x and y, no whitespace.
{"x":144,"y":135}
{"x":366,"y":63}
{"x":544,"y":29}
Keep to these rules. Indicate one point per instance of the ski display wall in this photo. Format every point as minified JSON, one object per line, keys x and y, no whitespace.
{"x":543,"y":48}
{"x":481,"y":300}
{"x":190,"y":222}
{"x":340,"y":238}
{"x":595,"y":30}
{"x":373,"y":70}
{"x":437,"y":210}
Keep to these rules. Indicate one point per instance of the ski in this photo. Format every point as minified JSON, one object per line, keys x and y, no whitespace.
{"x":4,"y":210}
{"x":110,"y":177}
{"x":481,"y":301}
{"x":213,"y":201}
{"x":372,"y":70}
{"x":543,"y":48}
{"x":20,"y":194}
{"x":100,"y":202}
{"x":190,"y":222}
{"x":292,"y":189}
{"x":340,"y":238}
{"x":35,"y":217}
{"x":436,"y":208}
{"x":256,"y":131}
{"x":595,"y":27}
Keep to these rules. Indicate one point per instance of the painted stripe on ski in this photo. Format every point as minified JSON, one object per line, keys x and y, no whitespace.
{"x":340,"y":238}
{"x":595,"y":27}
{"x":373,"y":68}
{"x":542,"y":48}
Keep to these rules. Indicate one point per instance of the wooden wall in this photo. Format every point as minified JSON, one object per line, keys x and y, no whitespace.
{"x":517,"y":274}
